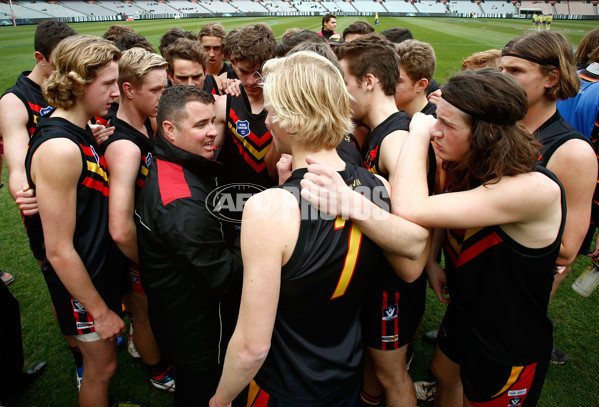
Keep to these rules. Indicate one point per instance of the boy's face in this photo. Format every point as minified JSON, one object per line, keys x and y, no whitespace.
{"x":356,"y":89}
{"x":249,"y":75}
{"x":406,"y":90}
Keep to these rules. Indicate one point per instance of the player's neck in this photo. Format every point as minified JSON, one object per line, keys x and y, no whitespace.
{"x":380,"y":109}
{"x":214,"y":70}
{"x":37,"y":75}
{"x":256,"y":103}
{"x":329,"y":157}
{"x":76,"y":115}
{"x":538,"y":114}
{"x":416,"y":105}
{"x":129,"y":114}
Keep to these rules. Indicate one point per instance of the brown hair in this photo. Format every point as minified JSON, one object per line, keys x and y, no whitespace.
{"x":116,"y":30}
{"x":48,"y":35}
{"x":551,"y":51}
{"x":230,"y":42}
{"x":327,"y":17}
{"x":291,"y":41}
{"x":133,"y":40}
{"x":492,"y":103}
{"x":186,"y":49}
{"x":417,"y":59}
{"x":173,"y":35}
{"x":255,"y":44}
{"x":372,"y":54}
{"x":76,"y":64}
{"x":358,"y":27}
{"x":212,"y":30}
{"x":490,"y":58}
{"x":588,"y":44}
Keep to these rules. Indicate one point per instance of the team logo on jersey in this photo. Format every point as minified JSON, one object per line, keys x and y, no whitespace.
{"x":96,"y":156}
{"x":77,"y":307}
{"x":390,"y":313}
{"x":516,"y":401}
{"x":46,"y":110}
{"x":390,"y":338}
{"x":149,"y":160}
{"x":242,"y":127}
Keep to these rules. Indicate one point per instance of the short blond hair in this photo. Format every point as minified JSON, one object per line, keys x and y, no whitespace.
{"x":77,"y":60}
{"x":308,"y":97}
{"x":135,"y":63}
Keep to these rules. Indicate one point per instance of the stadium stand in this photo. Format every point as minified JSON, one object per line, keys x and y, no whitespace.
{"x":249,"y":6}
{"x":427,"y":6}
{"x":309,"y":6}
{"x":90,"y":9}
{"x":464,"y":7}
{"x":365,"y":6}
{"x":501,"y":7}
{"x":577,"y":8}
{"x":219,"y":7}
{"x":400,"y":6}
{"x":277,"y":6}
{"x":121,"y":7}
{"x":342,"y":6}
{"x":156,"y":7}
{"x":21,"y":11}
{"x":545,"y":8}
{"x":188,"y":7}
{"x":53,"y":9}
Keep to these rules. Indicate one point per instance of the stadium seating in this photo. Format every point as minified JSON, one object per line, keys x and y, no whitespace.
{"x":21,"y":11}
{"x":53,"y":9}
{"x":278,"y":6}
{"x":90,"y":9}
{"x":155,"y":7}
{"x":498,"y":7}
{"x":188,"y":7}
{"x":427,"y":6}
{"x":464,"y":7}
{"x":369,"y":6}
{"x":345,"y":7}
{"x":400,"y":6}
{"x":249,"y":6}
{"x":218,"y":7}
{"x":576,"y":8}
{"x":545,"y":8}
{"x":309,"y":6}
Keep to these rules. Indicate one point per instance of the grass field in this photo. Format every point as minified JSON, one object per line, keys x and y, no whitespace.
{"x":575,"y":384}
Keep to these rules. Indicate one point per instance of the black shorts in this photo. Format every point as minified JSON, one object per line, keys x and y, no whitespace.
{"x":258,"y":397}
{"x":73,"y":319}
{"x":392,"y":311}
{"x":35,"y":233}
{"x":486,"y":382}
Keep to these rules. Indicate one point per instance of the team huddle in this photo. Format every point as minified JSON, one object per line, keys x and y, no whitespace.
{"x":270,"y":224}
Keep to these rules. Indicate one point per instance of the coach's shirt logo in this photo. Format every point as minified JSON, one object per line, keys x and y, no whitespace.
{"x":243,"y":128}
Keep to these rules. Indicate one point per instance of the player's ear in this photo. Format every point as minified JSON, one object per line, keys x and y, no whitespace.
{"x":370,"y":81}
{"x":422,"y":85}
{"x":552,"y":79}
{"x":39,"y":57}
{"x":127,"y":90}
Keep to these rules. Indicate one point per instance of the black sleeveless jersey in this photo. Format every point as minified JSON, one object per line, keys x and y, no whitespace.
{"x":210,"y":85}
{"x":124,"y":131}
{"x":91,"y":239}
{"x":317,"y":344}
{"x":349,"y":150}
{"x":247,"y":141}
{"x":500,"y":292}
{"x":553,"y":133}
{"x":370,"y":150}
{"x":229,"y":70}
{"x":30,"y":93}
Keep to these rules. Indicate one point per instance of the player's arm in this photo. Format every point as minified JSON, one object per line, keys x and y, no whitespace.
{"x":56,"y":167}
{"x":491,"y":204}
{"x":390,"y":151}
{"x":595,"y":211}
{"x":220,"y":122}
{"x":263,"y":247}
{"x":122,"y":161}
{"x":579,"y":185}
{"x":13,"y":127}
{"x":325,"y":189}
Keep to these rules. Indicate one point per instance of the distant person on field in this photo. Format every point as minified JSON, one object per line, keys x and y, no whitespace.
{"x":329,"y":23}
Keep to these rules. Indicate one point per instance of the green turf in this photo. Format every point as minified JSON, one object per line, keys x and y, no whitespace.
{"x":453,"y":39}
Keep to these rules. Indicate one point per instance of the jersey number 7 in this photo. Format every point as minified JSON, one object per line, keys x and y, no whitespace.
{"x":351,"y":258}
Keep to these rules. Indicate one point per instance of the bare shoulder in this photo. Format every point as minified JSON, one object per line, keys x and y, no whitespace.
{"x":12,"y":110}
